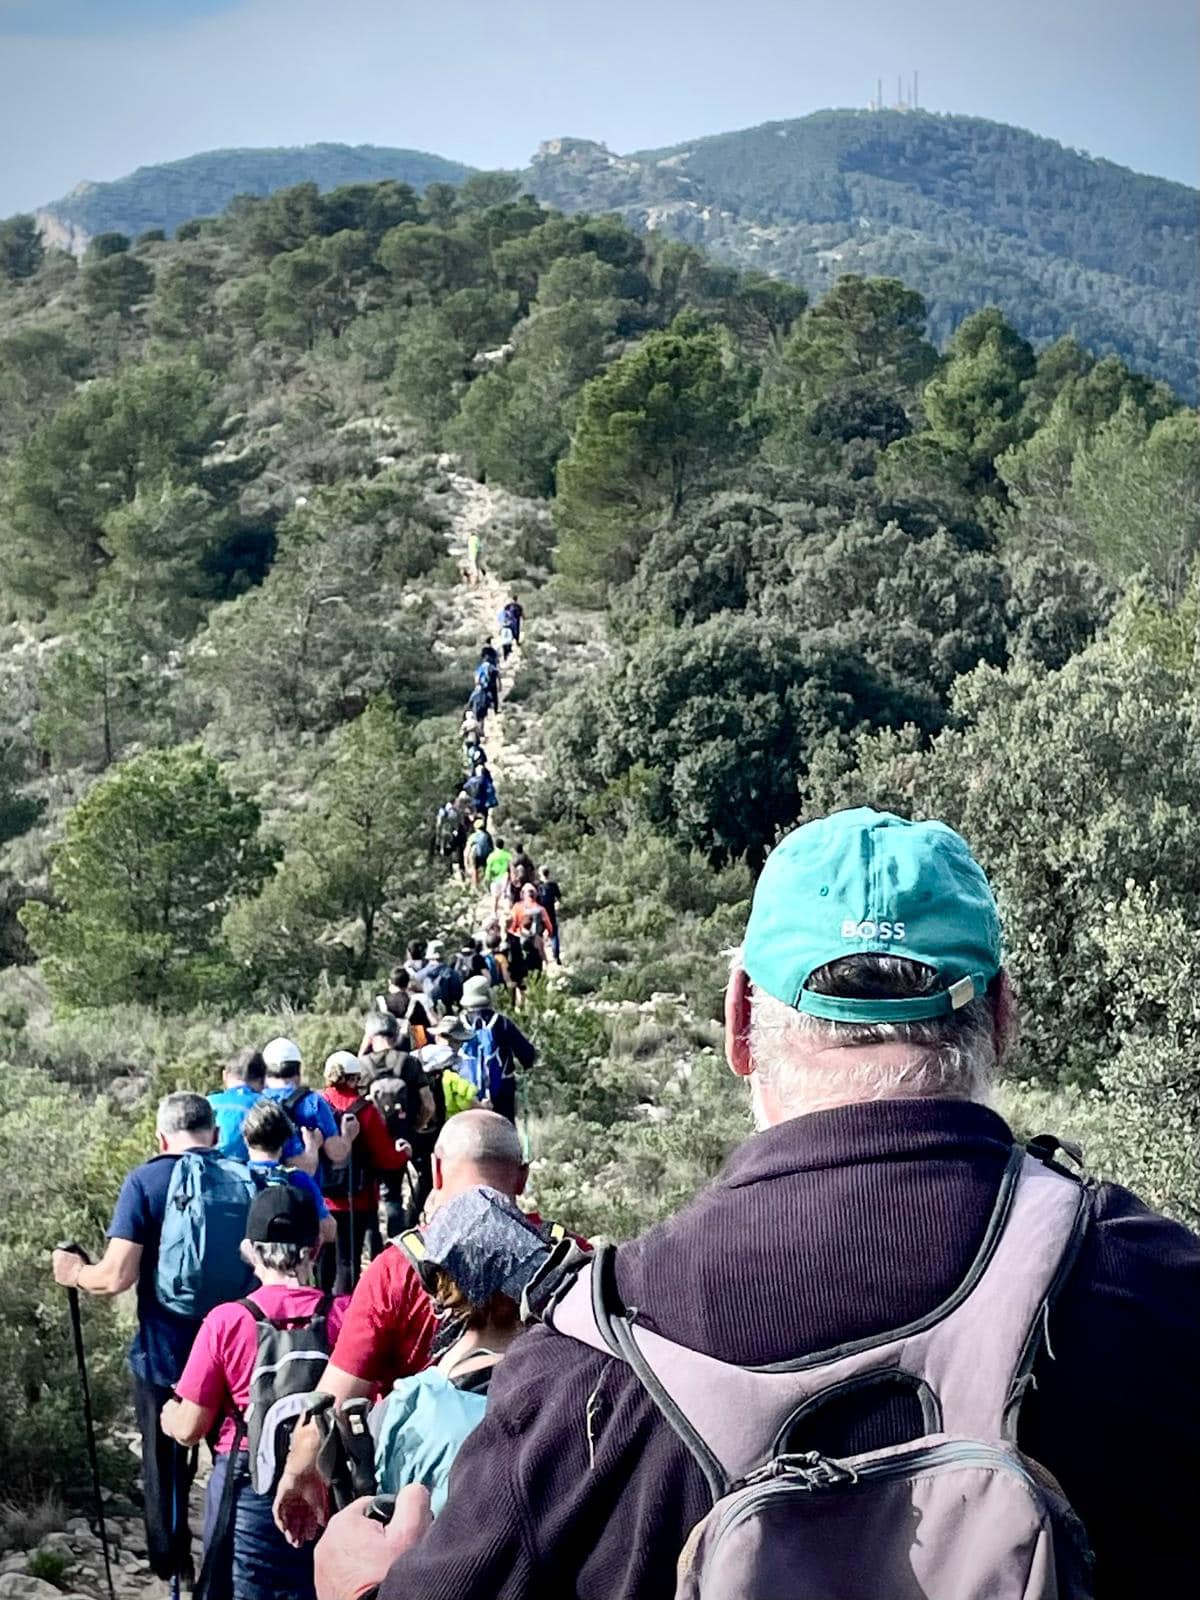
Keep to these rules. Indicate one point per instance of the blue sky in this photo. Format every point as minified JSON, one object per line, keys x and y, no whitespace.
{"x":93,"y":88}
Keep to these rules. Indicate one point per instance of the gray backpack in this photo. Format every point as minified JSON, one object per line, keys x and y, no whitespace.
{"x":957,"y":1514}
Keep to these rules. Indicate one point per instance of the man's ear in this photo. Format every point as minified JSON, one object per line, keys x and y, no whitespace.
{"x":1007,"y":1014}
{"x":161,"y":1140}
{"x":737,"y":1023}
{"x":438,"y":1181}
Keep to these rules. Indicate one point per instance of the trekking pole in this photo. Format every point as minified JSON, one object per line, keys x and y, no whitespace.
{"x":88,"y":1420}
{"x":174,"y":1519}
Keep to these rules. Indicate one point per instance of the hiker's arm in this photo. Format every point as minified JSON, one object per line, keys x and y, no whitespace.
{"x":338,"y":1149}
{"x":186,"y":1422}
{"x":309,"y":1159}
{"x":524,"y":1049}
{"x":116,"y":1270}
{"x":344,"y":1386}
{"x":328,"y":1230}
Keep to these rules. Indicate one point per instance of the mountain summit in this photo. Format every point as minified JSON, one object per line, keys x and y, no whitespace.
{"x":969,"y":212}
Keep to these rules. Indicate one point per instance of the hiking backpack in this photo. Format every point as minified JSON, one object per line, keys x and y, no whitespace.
{"x":351,"y":1177}
{"x":959,"y":1513}
{"x":481,"y":1061}
{"x":292,"y":1354}
{"x":199,"y":1250}
{"x":445,"y":990}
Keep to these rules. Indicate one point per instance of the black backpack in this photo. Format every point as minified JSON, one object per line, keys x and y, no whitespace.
{"x":352,"y":1177}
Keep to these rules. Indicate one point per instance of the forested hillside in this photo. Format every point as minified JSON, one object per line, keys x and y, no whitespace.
{"x":163,"y":196}
{"x":774,"y":555}
{"x":968,"y":212}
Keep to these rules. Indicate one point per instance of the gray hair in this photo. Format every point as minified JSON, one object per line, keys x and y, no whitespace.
{"x":280,"y":1257}
{"x":951,"y":1057}
{"x":484,"y":1138}
{"x":183,"y":1113}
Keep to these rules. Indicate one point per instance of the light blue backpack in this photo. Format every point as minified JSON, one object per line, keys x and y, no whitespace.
{"x":199,"y":1260}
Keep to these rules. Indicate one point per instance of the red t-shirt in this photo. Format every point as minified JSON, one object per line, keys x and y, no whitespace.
{"x":221,"y":1364}
{"x":390,"y":1323}
{"x":374,"y":1145}
{"x":389,"y":1326}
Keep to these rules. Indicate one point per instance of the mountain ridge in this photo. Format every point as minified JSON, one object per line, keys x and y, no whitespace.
{"x":967,"y":211}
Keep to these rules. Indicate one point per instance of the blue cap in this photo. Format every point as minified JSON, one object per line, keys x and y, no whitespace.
{"x":866,"y":881}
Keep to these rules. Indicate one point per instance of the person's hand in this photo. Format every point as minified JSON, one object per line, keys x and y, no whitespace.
{"x":355,"y":1553}
{"x":403,"y":1147}
{"x":313,"y":1140}
{"x":350,"y":1126}
{"x":166,"y":1421}
{"x":67,"y":1265}
{"x":301,"y":1506}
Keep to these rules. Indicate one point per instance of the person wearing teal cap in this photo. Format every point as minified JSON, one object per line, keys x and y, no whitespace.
{"x":870,"y":1011}
{"x":878,"y":934}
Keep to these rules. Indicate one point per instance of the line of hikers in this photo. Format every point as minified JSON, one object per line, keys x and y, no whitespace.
{"x":890,"y":1350}
{"x":358,"y":1159}
{"x":524,"y":927}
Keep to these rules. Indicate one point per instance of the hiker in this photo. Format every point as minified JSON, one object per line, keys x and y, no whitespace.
{"x":416,"y":959}
{"x":474,"y":1259}
{"x":480,"y":789}
{"x":522,"y":961}
{"x":495,"y":871}
{"x":488,"y":652}
{"x":243,"y":1077}
{"x":494,"y":1050}
{"x":474,"y":755}
{"x":550,"y":894}
{"x":389,"y":1328}
{"x":404,"y":1098}
{"x":479,"y":848}
{"x":440,"y":1061}
{"x":163,"y":1338}
{"x":487,"y":677}
{"x":868,"y":1011}
{"x":509,"y":619}
{"x":443,"y":986}
{"x":531,"y":920}
{"x":267,"y":1131}
{"x":406,"y":1007}
{"x":447,"y":833}
{"x":250,"y":1358}
{"x":352,"y":1191}
{"x":469,"y":963}
{"x":479,"y":703}
{"x":307,"y":1109}
{"x":471,"y":731}
{"x":521,"y":871}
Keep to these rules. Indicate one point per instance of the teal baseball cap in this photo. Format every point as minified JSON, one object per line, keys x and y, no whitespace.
{"x":865,"y":881}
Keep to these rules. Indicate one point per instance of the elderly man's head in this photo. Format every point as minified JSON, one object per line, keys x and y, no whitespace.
{"x":478,"y":1147}
{"x":871,"y":970}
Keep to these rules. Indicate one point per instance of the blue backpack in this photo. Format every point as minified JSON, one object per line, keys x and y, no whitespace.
{"x":481,"y":1061}
{"x":199,"y":1260}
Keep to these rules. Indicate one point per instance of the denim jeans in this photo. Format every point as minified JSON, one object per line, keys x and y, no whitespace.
{"x":258,"y":1563}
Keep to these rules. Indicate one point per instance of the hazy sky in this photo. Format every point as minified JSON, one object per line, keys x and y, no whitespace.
{"x":94,"y":88}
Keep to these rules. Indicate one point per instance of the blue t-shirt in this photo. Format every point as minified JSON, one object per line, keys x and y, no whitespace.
{"x":298,"y":1180}
{"x":313,"y":1111}
{"x":230,"y":1107}
{"x":162,"y":1342}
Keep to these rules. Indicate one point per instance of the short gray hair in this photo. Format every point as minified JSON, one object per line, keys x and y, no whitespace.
{"x":951,"y":1057}
{"x":482,"y":1137}
{"x":184,"y":1113}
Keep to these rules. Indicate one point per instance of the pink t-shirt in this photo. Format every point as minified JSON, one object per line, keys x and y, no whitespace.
{"x":218,"y":1371}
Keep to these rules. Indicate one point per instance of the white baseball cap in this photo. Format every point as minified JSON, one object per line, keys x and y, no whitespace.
{"x":281,"y":1053}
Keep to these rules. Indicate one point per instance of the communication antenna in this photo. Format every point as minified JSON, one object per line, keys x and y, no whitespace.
{"x":916,"y":96}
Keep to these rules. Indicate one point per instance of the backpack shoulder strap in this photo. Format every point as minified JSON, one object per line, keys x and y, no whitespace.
{"x":968,"y":1360}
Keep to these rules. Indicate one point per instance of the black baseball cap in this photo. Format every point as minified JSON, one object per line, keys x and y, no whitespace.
{"x":283,"y":1214}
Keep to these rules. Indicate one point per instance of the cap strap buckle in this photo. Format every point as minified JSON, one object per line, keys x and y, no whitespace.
{"x":961,"y":993}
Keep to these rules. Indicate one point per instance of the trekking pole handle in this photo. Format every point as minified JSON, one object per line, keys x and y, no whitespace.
{"x":318,"y":1405}
{"x":382,"y":1509}
{"x":73,"y":1248}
